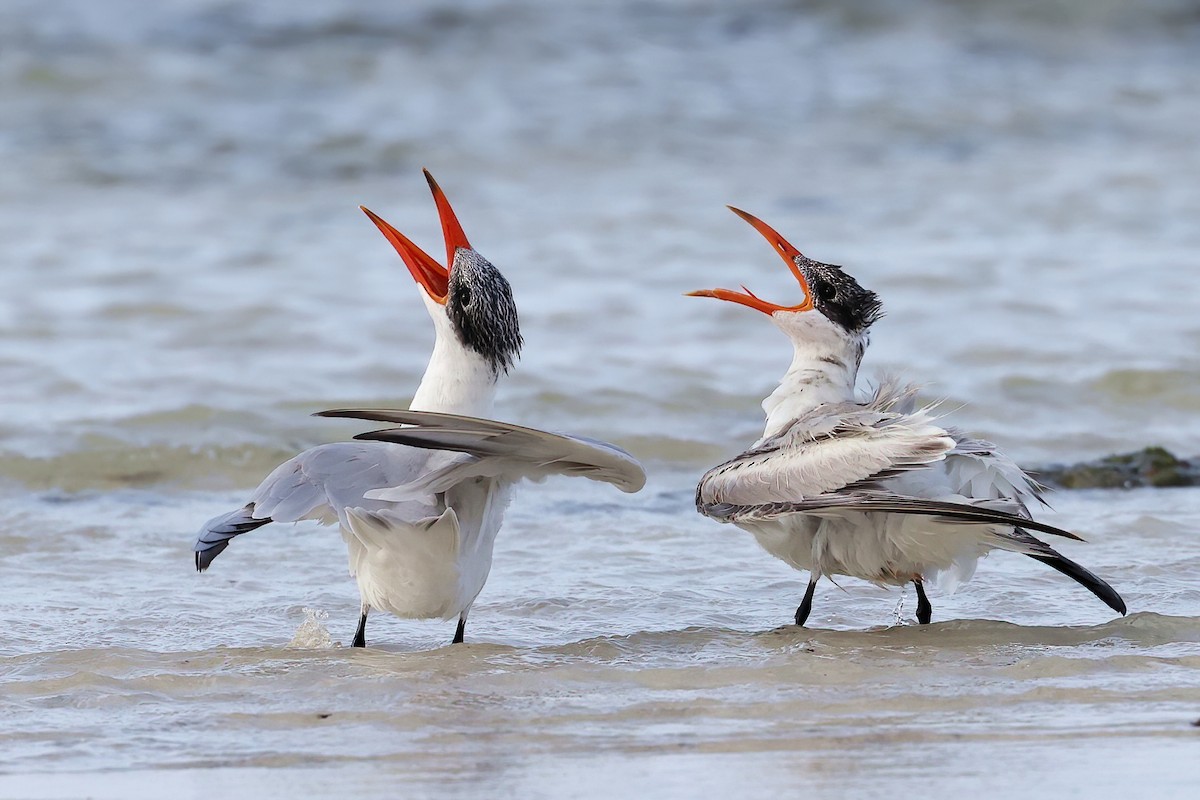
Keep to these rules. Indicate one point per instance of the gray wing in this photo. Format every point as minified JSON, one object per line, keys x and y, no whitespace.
{"x":320,"y":484}
{"x":495,"y":448}
{"x":851,"y":457}
{"x":834,"y":448}
{"x":978,"y":511}
{"x":977,"y":468}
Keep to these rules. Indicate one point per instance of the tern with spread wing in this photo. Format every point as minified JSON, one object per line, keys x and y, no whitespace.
{"x":419,"y":508}
{"x":878,"y":489}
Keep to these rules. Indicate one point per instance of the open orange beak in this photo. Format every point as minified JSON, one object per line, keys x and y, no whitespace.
{"x":748,"y":298}
{"x":432,"y":276}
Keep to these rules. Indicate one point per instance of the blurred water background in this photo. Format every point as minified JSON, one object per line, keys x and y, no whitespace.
{"x":185,"y":277}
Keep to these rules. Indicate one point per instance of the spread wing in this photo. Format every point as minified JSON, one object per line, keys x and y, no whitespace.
{"x":499,"y":449}
{"x":321,"y":483}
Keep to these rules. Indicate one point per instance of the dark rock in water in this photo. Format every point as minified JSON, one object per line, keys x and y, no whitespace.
{"x":1153,"y":466}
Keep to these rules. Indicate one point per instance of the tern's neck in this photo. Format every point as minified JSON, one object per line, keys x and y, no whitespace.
{"x":458,"y":380}
{"x":823,"y":370}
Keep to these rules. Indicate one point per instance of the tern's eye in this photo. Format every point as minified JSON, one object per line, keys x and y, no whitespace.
{"x":825,"y":291}
{"x":464,"y":295}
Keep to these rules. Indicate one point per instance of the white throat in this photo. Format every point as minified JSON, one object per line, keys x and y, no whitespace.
{"x":824,"y":368}
{"x":458,"y":380}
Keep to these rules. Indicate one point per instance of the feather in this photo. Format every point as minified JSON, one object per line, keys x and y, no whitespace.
{"x":218,"y":531}
{"x":500,"y":448}
{"x":320,"y":484}
{"x":975,"y":512}
{"x":830,"y":448}
{"x":1084,"y":578}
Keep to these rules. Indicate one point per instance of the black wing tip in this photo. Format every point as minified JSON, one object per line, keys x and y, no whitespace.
{"x":1113,"y":601}
{"x":213,"y":540}
{"x":1021,"y":523}
{"x":205,"y":557}
{"x":394,"y":416}
{"x":1042,"y":527}
{"x":334,"y":412}
{"x":1067,"y":534}
{"x":386,"y":435}
{"x":1085,"y":578}
{"x":206,"y":553}
{"x":980,"y":514}
{"x":416,"y":437}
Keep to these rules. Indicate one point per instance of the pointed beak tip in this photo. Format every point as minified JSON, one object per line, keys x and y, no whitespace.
{"x":430,"y":275}
{"x":452,"y":231}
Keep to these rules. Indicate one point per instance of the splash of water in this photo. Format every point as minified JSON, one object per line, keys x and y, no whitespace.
{"x":312,"y":633}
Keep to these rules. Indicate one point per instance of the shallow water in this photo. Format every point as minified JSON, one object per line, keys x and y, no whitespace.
{"x":187,"y":278}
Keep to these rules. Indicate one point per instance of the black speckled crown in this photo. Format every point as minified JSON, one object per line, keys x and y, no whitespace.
{"x":481,"y":309}
{"x":839,"y":297}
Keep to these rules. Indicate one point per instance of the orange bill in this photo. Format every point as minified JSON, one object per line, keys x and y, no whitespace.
{"x":431,"y":275}
{"x":748,"y":298}
{"x":452,"y":232}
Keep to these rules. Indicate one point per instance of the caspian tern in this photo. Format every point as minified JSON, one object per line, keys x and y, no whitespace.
{"x":876,"y":489}
{"x":420,"y":523}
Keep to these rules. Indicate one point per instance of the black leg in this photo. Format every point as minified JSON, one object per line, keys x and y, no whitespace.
{"x":806,"y":604}
{"x":360,"y":635}
{"x":924,"y":609}
{"x":462,"y":628}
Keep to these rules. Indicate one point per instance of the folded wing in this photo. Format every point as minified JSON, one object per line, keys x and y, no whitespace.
{"x":978,"y":511}
{"x":853,"y":457}
{"x":976,"y":468}
{"x":833,"y":448}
